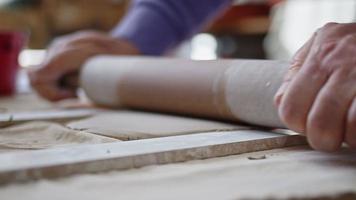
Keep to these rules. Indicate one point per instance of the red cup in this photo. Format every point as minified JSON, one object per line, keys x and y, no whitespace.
{"x":11,"y":44}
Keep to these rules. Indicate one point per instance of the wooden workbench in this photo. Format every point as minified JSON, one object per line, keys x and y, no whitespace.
{"x":291,"y":173}
{"x":284,"y":173}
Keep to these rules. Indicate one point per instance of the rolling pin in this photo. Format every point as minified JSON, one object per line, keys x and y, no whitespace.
{"x":227,"y":89}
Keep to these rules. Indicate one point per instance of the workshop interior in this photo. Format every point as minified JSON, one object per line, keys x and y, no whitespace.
{"x":155,"y":99}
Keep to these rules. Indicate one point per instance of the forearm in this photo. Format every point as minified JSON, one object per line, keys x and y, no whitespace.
{"x":155,"y":26}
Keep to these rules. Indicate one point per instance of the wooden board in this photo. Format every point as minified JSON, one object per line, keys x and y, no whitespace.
{"x":286,"y":173}
{"x":125,"y":155}
{"x":7,"y":119}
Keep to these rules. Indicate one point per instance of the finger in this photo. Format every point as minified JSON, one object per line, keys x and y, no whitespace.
{"x":45,"y":80}
{"x":54,"y":93}
{"x":332,"y":31}
{"x":96,"y":38}
{"x":70,"y":59}
{"x":327,"y":117}
{"x":296,"y":64}
{"x":41,"y":81}
{"x":83,"y":37}
{"x":291,"y":73}
{"x":350,"y":137}
{"x":123,"y":47}
{"x":302,"y":90}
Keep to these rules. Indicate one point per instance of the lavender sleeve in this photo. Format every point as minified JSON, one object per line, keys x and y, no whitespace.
{"x":156,"y":26}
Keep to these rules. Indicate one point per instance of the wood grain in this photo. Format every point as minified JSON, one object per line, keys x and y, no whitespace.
{"x":56,"y":163}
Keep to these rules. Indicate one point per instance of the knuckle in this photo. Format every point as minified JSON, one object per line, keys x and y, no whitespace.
{"x":326,"y":64}
{"x":296,"y":62}
{"x":325,"y":48}
{"x":319,"y":63}
{"x":326,"y":27}
{"x":319,"y":72}
{"x":348,"y":39}
{"x":291,"y":73}
{"x":330,"y":25}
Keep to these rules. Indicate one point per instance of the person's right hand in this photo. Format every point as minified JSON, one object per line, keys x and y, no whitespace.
{"x":318,"y":96}
{"x":67,"y":54}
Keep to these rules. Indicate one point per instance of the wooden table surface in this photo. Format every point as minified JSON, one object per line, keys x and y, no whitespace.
{"x":286,"y":173}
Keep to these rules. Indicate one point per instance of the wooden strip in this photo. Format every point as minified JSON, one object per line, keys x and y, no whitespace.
{"x":55,"y":163}
{"x":47,"y":115}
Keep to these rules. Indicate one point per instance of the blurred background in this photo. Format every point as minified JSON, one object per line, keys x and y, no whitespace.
{"x":264,"y":29}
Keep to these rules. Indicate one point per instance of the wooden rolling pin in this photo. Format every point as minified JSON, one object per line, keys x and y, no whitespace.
{"x":237,"y":90}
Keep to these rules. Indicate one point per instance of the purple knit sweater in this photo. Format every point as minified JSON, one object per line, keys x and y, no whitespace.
{"x":156,"y":26}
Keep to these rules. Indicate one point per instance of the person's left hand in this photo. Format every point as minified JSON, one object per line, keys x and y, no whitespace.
{"x":318,"y":96}
{"x":66,"y":55}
